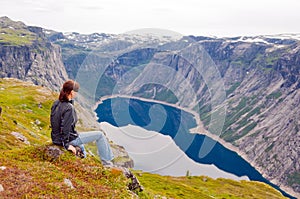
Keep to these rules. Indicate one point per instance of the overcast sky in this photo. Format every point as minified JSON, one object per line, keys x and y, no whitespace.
{"x":187,"y":17}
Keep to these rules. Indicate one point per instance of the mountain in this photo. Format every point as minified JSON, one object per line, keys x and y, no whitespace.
{"x":26,"y":54}
{"x":245,"y":89}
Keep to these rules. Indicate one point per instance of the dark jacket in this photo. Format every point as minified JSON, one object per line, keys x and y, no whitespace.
{"x":63,"y":119}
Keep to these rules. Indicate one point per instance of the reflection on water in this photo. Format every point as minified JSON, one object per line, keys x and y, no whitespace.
{"x":176,"y":123}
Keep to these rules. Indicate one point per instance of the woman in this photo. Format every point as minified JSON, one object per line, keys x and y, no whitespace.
{"x":63,"y":120}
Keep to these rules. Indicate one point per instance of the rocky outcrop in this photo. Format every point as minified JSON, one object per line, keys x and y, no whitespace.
{"x":30,"y":63}
{"x":34,"y":59}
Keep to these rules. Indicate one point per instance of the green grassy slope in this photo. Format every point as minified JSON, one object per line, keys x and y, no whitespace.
{"x":26,"y":172}
{"x":15,"y":33}
{"x":29,"y":172}
{"x":205,"y":187}
{"x":25,"y":109}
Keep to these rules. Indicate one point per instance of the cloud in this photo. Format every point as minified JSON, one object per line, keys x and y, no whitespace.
{"x":213,"y":17}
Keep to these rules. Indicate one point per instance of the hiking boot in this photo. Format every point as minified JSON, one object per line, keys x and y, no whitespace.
{"x":79,"y":152}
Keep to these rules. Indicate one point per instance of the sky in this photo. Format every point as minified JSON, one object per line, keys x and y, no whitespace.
{"x":186,"y":17}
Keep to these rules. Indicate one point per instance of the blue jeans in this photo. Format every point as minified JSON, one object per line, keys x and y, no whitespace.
{"x":104,"y":150}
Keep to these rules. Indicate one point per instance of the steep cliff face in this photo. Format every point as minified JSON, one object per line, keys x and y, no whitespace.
{"x":26,"y":54}
{"x":262,"y":85}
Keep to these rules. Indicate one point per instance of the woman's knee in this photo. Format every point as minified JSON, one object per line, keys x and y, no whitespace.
{"x":100,"y":134}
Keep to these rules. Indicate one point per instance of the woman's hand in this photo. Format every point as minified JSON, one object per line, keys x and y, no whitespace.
{"x":72,"y":148}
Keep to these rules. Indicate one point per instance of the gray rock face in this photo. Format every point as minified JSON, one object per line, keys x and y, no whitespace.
{"x":29,"y":64}
{"x":36,"y":60}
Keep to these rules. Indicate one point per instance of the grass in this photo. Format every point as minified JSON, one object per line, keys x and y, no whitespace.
{"x":29,"y":173}
{"x":15,"y":33}
{"x":202,"y":187}
{"x":274,"y":95}
{"x":240,"y":115}
{"x":25,"y":110}
{"x":232,"y":88}
{"x":11,"y":37}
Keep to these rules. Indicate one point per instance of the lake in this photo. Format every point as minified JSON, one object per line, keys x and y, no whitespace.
{"x":175,"y":124}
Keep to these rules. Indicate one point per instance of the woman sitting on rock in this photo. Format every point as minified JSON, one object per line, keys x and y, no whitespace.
{"x":63,"y":120}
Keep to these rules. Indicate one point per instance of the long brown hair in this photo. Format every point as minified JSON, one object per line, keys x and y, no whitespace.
{"x":68,"y":86}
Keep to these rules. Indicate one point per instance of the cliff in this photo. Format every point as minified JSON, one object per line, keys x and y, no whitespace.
{"x":26,"y":54}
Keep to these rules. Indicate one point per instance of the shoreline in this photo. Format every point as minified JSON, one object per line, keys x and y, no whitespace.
{"x":199,"y":129}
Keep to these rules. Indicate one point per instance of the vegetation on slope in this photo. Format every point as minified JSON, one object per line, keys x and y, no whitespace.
{"x":14,"y":33}
{"x":204,"y":187}
{"x":27,"y":172}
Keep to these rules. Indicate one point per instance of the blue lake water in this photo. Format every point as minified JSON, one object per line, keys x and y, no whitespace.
{"x":177,"y":123}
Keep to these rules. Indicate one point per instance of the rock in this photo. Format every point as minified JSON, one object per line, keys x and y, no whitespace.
{"x":39,"y":62}
{"x":68,"y":183}
{"x":1,"y":188}
{"x":134,"y":185}
{"x":2,"y":168}
{"x":20,"y":137}
{"x":37,"y":122}
{"x":52,"y":152}
{"x":40,"y":105}
{"x":122,"y":158}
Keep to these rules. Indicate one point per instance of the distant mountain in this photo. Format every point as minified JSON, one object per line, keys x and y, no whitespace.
{"x":259,"y":77}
